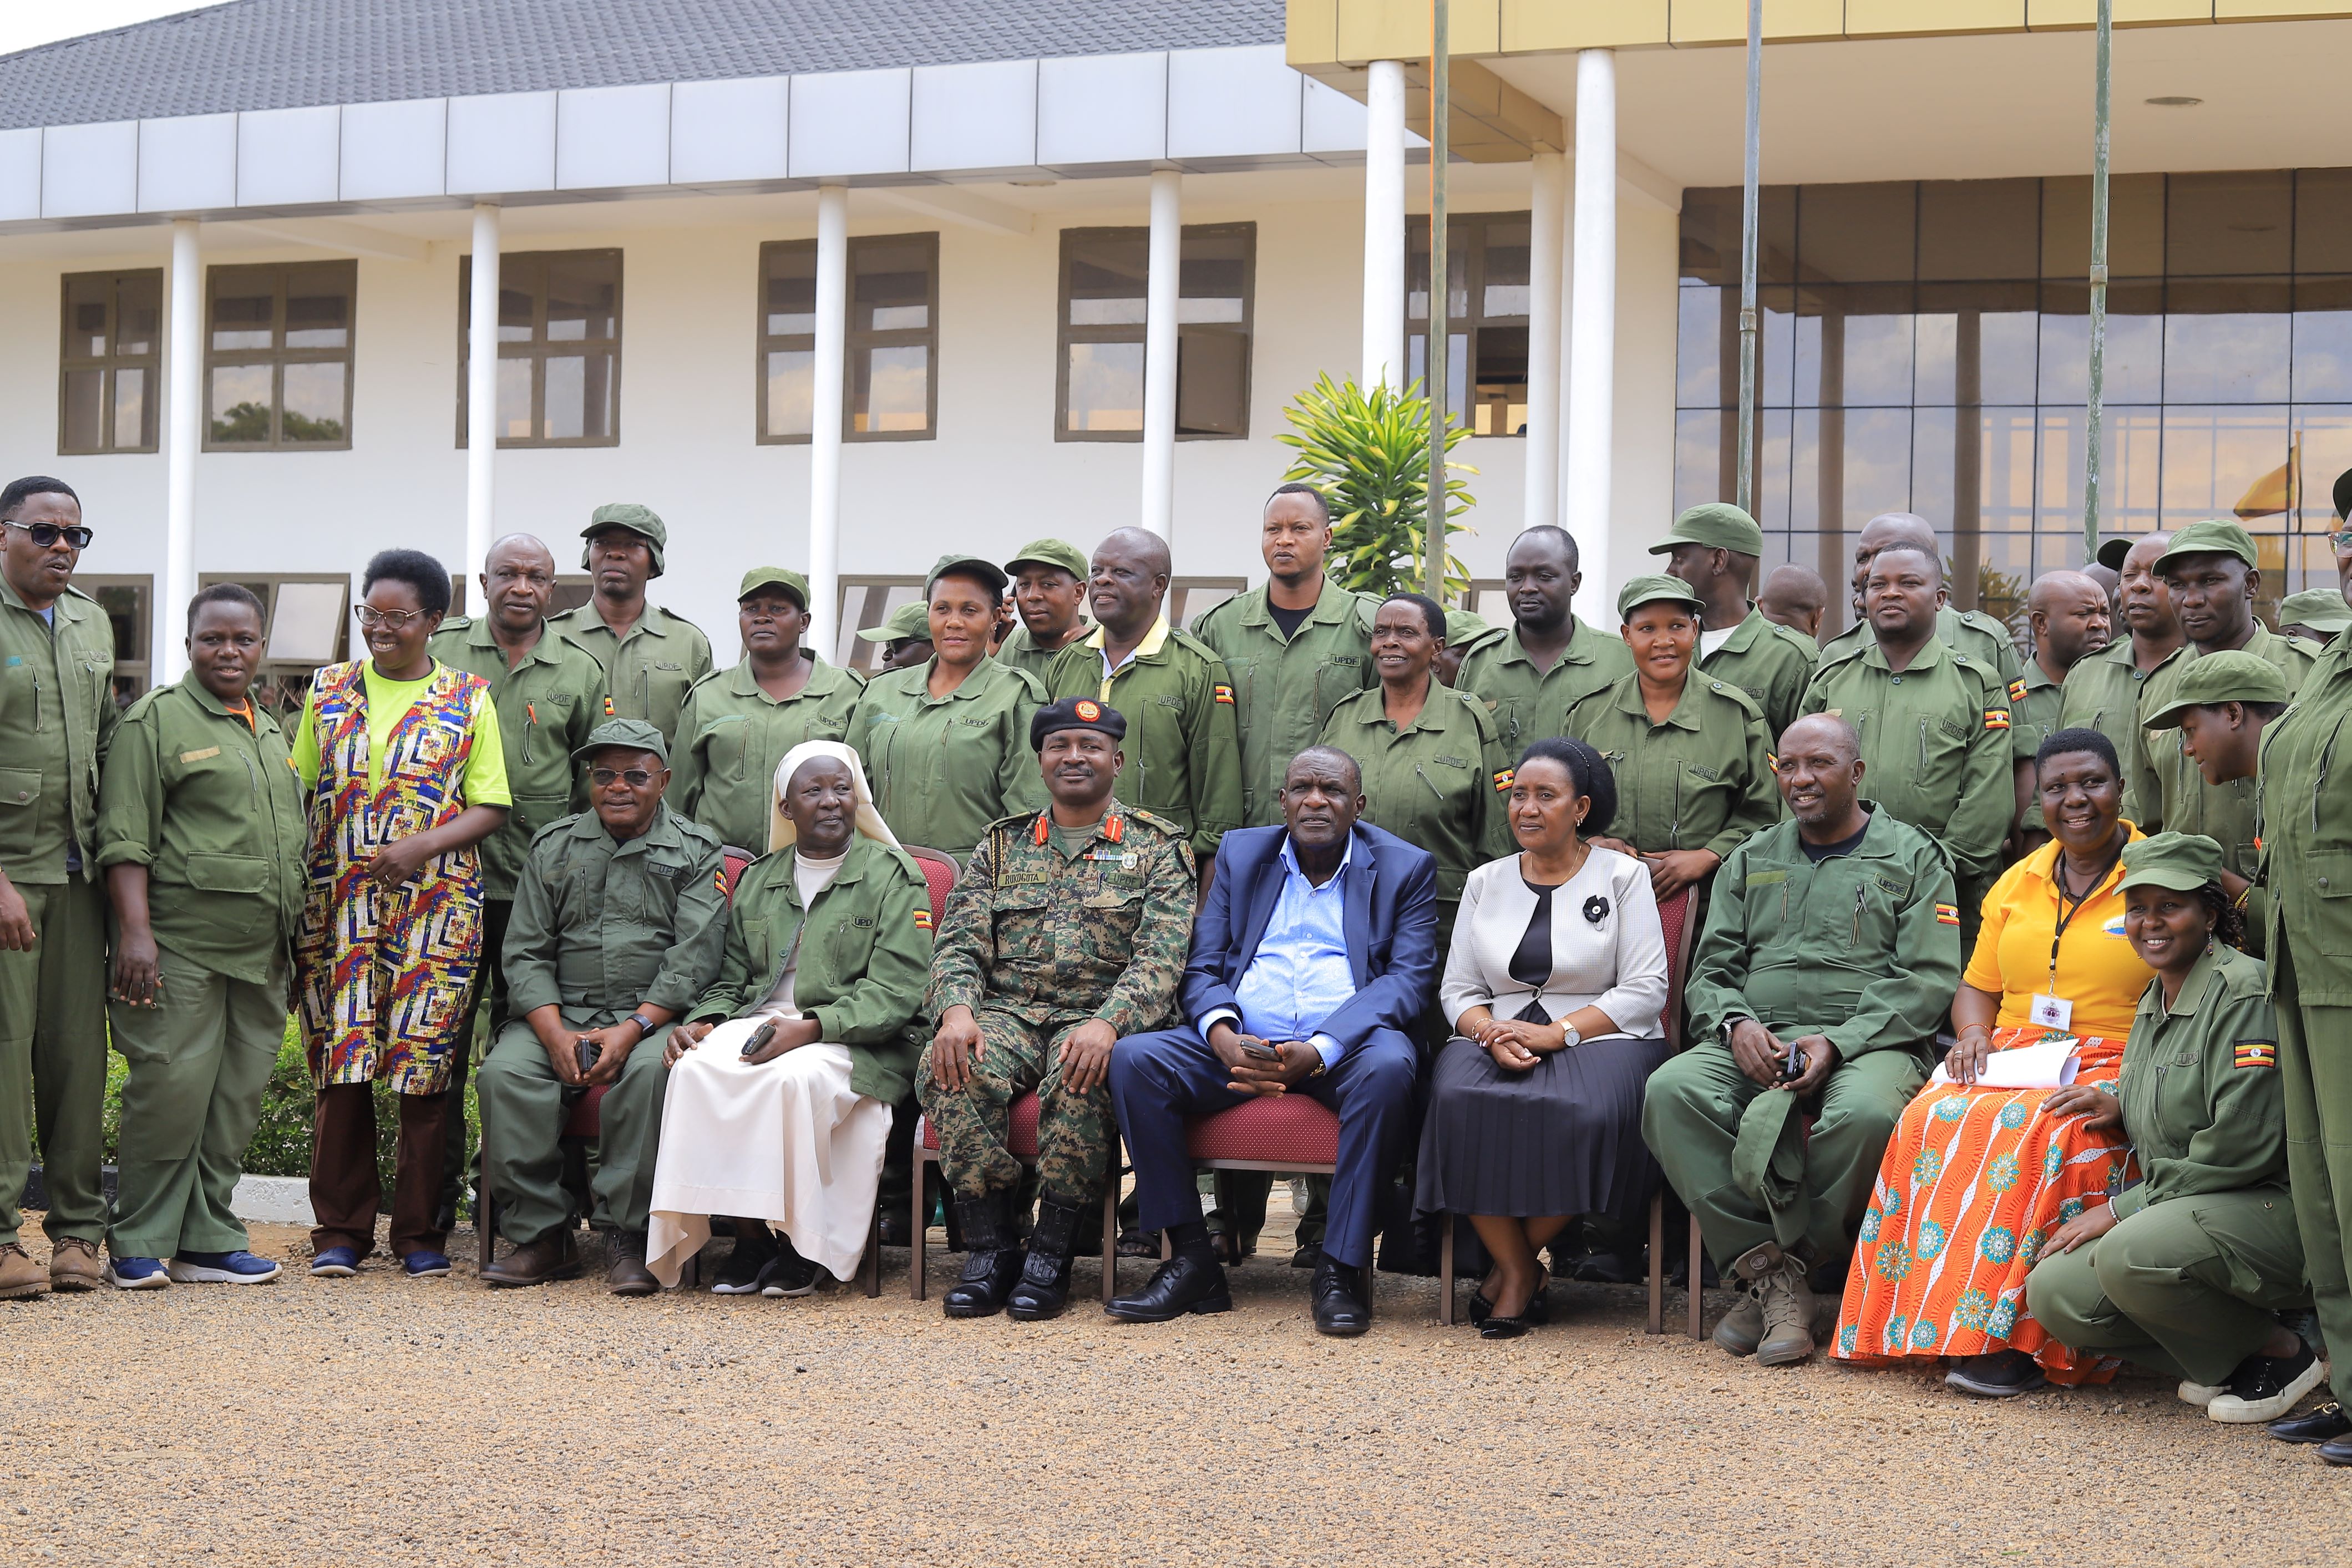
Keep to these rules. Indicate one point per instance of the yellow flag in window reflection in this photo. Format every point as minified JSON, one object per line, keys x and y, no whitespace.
{"x":2278,"y":491}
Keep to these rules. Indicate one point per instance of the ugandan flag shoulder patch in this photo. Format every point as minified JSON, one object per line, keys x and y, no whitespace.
{"x":1503,"y":779}
{"x":608,"y":707}
{"x":923,"y":918}
{"x":1948,"y":915}
{"x":2017,"y":690}
{"x":2256,"y":1052}
{"x":1996,"y":718}
{"x":1223,"y":694}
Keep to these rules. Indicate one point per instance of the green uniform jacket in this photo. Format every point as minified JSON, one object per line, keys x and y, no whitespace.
{"x":2185,"y":803}
{"x":214,"y":811}
{"x":2201,"y":1086}
{"x":2305,"y":814}
{"x":1935,"y":743}
{"x":731,"y":736}
{"x":1527,"y":706}
{"x":944,"y":767}
{"x":1047,"y":938}
{"x":547,"y":705}
{"x":1701,"y":780}
{"x":1020,"y":652}
{"x":1863,"y":948}
{"x":648,"y":676}
{"x":56,"y":721}
{"x":1284,"y":691}
{"x":2034,"y":703}
{"x":863,"y":953}
{"x":1184,"y":748}
{"x":1444,"y":784}
{"x":601,"y":926}
{"x":2102,"y":692}
{"x":1771,"y":663}
{"x":1970,"y":632}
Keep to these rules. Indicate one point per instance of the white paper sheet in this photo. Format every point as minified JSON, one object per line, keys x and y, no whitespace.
{"x":2052,"y":1064}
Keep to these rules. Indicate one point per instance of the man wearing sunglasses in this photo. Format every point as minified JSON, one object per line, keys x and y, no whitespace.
{"x":56,"y":721}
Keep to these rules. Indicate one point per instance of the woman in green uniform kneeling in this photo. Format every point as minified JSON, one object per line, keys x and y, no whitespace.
{"x":200,"y":830}
{"x":1434,"y":773}
{"x":946,"y":742}
{"x":2184,"y":1271}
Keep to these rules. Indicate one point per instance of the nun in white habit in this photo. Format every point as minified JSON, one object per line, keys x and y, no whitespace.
{"x":782,"y":1077}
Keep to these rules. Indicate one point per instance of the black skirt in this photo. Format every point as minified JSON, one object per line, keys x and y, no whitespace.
{"x":1563,"y":1137}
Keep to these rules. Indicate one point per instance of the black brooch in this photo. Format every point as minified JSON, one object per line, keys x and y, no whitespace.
{"x":1596,"y":909}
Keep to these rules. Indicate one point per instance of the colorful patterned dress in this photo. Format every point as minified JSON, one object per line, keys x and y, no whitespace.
{"x":385,"y":978}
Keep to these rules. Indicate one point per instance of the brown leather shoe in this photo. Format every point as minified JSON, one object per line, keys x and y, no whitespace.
{"x":554,"y":1256}
{"x":19,"y":1275}
{"x":628,"y":1276}
{"x":74,"y":1265}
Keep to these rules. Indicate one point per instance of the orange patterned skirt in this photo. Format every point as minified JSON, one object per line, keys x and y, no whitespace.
{"x":1973,"y":1182}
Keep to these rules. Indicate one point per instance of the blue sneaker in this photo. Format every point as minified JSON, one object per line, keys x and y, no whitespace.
{"x":237,"y":1268}
{"x":137,"y":1275}
{"x":335,"y":1263}
{"x":426,"y":1265}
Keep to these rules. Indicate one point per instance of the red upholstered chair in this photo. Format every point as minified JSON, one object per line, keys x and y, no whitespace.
{"x":1674,"y":919}
{"x":1289,"y":1133}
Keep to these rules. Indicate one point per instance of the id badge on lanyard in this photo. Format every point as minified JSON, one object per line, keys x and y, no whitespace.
{"x":2051,"y":1011}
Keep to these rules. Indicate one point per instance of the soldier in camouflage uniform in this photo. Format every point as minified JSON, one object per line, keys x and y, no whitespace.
{"x":1069,"y":930}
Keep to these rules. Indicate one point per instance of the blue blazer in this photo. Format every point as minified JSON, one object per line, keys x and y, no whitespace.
{"x":1391,"y":926}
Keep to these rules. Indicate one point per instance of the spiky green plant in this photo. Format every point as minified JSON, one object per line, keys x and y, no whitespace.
{"x":1367,"y":453}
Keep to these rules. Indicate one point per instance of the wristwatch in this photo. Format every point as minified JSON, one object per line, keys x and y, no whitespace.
{"x":645,"y":1025}
{"x":1571,"y":1037}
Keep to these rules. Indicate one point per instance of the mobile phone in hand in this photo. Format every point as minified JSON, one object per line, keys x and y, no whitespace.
{"x":1794,"y":1068}
{"x":759,"y":1037}
{"x":1261,"y":1050}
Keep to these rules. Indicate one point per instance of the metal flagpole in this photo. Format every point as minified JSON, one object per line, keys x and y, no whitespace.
{"x":1441,"y":340}
{"x":2091,"y":432}
{"x":1747,"y":259}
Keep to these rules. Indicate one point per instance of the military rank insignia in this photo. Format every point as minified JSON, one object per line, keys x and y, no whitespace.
{"x":1503,"y":779}
{"x":2017,"y":690}
{"x":1223,"y":694}
{"x":2257,"y":1053}
{"x":1948,"y":915}
{"x":1996,"y":718}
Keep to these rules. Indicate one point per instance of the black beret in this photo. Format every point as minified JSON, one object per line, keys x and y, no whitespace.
{"x":1074,"y":713}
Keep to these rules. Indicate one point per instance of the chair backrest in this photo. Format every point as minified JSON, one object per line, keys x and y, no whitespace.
{"x":939,"y":872}
{"x":1675,"y":920}
{"x":736,"y":859}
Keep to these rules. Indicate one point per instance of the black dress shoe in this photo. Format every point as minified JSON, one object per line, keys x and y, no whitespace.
{"x":1337,"y":1293}
{"x":991,"y":1262}
{"x":2323,"y":1423}
{"x":2336,"y":1450}
{"x":1043,"y":1287}
{"x":1309,"y":1255}
{"x":1182,"y":1284}
{"x":895,"y":1230}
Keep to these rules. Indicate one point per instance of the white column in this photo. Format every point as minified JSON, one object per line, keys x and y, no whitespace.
{"x":481,"y":401}
{"x":1592,"y":312}
{"x":826,"y":414}
{"x":183,"y":359}
{"x":1384,"y":357}
{"x":1160,"y":353}
{"x":1545,"y":291}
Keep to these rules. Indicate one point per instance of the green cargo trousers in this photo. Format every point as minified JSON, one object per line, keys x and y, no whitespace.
{"x":522,"y":1128}
{"x":1690,"y":1118}
{"x":53,"y":1059}
{"x":2185,"y":1287}
{"x":199,"y":1065}
{"x":1077,"y":1133}
{"x":2315,"y":1063}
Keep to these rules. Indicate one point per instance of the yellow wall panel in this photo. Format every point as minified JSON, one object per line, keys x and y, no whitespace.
{"x":2276,"y":10}
{"x":2128,"y":13}
{"x":1398,"y":29}
{"x":1536,"y":26}
{"x":1726,"y":21}
{"x":1310,"y":32}
{"x":1874,"y":18}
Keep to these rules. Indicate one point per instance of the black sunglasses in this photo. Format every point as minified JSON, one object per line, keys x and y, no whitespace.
{"x":635,"y":778}
{"x":48,"y":533}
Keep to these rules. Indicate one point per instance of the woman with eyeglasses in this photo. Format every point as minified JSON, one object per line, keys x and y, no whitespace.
{"x":406,"y":774}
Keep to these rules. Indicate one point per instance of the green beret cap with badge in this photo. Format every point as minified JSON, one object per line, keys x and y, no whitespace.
{"x":761,"y":577}
{"x":2214,"y":536}
{"x":2232,"y":675}
{"x":2182,"y":862}
{"x":909,"y":619}
{"x":2321,"y":609}
{"x":629,"y":734}
{"x":1717,"y":525}
{"x":639,"y":520}
{"x":1650,"y":588}
{"x":1049,"y":552}
{"x":1074,"y":713}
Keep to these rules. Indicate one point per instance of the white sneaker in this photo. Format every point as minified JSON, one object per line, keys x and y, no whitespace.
{"x":2200,"y":1395}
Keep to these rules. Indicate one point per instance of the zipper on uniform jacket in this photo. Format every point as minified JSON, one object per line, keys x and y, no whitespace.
{"x":2326,"y":757}
{"x":37,"y":726}
{"x":1923,"y":745}
{"x":1855,"y":940}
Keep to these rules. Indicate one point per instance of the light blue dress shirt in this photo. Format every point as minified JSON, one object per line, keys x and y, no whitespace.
{"x":1300,"y":975}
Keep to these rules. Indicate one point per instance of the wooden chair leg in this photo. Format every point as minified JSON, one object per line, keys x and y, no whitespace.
{"x":1657,"y":1324}
{"x":1445,"y":1268}
{"x":1697,"y":1295}
{"x":1110,"y":1240}
{"x":870,"y":1271}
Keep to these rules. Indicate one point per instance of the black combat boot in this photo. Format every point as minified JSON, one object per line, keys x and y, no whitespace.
{"x":993,"y":1258}
{"x":1044,"y":1284}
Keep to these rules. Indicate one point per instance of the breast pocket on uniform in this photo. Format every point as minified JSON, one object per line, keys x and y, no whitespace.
{"x":1022,"y":915}
{"x":1113,"y":911}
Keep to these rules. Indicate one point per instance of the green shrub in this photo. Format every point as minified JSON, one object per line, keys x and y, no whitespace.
{"x":1367,"y":453}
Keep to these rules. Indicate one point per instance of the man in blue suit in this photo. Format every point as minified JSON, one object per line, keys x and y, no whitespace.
{"x":1312,"y":956}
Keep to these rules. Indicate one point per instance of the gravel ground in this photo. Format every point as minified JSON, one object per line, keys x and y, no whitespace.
{"x":384,"y":1420}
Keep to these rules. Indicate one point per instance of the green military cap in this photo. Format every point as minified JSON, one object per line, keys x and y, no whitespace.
{"x":1461,"y":625}
{"x":1649,"y":589}
{"x":970,"y":566}
{"x":637,"y":520}
{"x":760,"y":577}
{"x":634,"y":734}
{"x":2343,"y":494}
{"x":1049,"y":552}
{"x":2214,"y":536}
{"x":2183,"y":862}
{"x":2112,"y":552}
{"x":912,"y":619}
{"x":2321,"y":609}
{"x":2233,"y":677}
{"x":1717,"y":524}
